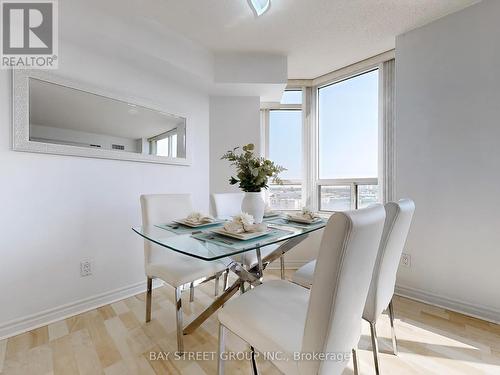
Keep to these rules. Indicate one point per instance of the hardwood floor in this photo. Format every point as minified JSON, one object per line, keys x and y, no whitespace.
{"x":114,"y":339}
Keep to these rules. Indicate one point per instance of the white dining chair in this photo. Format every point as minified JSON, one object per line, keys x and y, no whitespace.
{"x":282,"y":317}
{"x":180,"y":271}
{"x":397,"y":225}
{"x":226,"y":206}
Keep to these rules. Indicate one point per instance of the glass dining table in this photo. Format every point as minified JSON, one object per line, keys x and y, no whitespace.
{"x":206,"y":244}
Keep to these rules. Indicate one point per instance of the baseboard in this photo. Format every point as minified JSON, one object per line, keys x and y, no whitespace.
{"x":466,"y":308}
{"x":30,"y":322}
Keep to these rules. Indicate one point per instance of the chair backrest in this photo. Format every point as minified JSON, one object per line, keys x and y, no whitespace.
{"x":227,"y":205}
{"x":397,"y":225}
{"x":163,"y":208}
{"x":341,"y":280}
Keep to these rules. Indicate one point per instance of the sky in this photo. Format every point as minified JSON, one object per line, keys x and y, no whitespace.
{"x":285,"y":145}
{"x":348,"y":131}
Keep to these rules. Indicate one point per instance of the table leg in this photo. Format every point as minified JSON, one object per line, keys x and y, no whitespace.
{"x":224,"y":297}
{"x":251,"y":276}
{"x":260,"y":269}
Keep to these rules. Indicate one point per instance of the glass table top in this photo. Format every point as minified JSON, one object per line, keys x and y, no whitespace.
{"x":205,"y":244}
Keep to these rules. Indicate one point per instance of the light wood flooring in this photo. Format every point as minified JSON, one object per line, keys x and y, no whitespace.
{"x":115,"y":340}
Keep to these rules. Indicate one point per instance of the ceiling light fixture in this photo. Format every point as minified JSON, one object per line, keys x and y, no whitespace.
{"x":259,"y":7}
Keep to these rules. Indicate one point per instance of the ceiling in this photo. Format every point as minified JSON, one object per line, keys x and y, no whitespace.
{"x":318,"y":36}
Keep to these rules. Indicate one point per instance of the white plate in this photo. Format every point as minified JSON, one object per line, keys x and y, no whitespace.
{"x":191,"y":225}
{"x":303,"y":220}
{"x":241,"y":236}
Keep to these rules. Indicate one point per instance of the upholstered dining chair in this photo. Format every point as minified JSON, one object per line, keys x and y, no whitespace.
{"x":180,"y":271}
{"x":226,"y":206}
{"x":397,"y":225}
{"x":282,"y":317}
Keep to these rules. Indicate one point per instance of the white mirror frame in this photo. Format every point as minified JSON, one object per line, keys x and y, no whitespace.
{"x":21,"y":124}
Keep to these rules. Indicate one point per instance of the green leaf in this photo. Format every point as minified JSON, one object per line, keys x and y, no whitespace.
{"x":252,"y":172}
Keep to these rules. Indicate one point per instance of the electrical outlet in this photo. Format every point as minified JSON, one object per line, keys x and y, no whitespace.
{"x":406,"y":260}
{"x":85,"y":268}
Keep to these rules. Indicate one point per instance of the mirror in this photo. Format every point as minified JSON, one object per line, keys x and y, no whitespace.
{"x":51,"y":116}
{"x":63,"y":115}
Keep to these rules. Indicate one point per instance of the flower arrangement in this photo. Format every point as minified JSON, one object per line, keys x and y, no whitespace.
{"x":253,"y":172}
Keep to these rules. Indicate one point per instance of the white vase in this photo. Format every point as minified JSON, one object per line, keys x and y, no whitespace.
{"x":254,"y":205}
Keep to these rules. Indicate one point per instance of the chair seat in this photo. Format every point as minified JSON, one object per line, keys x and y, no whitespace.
{"x":271,"y":318}
{"x":249,"y":259}
{"x":178,"y":269}
{"x":305,"y":274}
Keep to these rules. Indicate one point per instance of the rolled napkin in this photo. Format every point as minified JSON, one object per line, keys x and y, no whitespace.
{"x":198,"y":218}
{"x":306,"y":214}
{"x":244,"y":223}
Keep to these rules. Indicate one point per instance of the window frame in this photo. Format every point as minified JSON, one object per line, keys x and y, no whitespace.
{"x":311,"y":183}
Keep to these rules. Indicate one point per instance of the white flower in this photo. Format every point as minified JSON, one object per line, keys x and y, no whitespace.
{"x":233,"y":227}
{"x":194,"y":216}
{"x":307,"y":213}
{"x":198,"y":217}
{"x":246,"y":218}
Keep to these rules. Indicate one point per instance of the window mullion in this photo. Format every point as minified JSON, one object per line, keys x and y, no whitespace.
{"x":355,"y":195}
{"x":311,"y":149}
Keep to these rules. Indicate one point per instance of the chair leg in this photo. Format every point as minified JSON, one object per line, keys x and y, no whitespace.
{"x":254,"y":363}
{"x":149,"y":294}
{"x":217,"y":277}
{"x":393,"y":330}
{"x":282,"y":267}
{"x":178,"y":315}
{"x":355,"y":361}
{"x":224,"y":285}
{"x":374,"y":347}
{"x":221,"y":350}
{"x":191,"y":292}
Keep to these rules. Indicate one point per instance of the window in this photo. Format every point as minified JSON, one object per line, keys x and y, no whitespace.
{"x":348,"y":128}
{"x":292,"y":97}
{"x":164,"y":144}
{"x":284,"y":145}
{"x":348,"y":143}
{"x":335,"y":198}
{"x":285,"y":197}
{"x":328,"y":139}
{"x":285,"y":141}
{"x":285,"y":149}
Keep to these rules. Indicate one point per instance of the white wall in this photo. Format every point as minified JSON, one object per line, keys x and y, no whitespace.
{"x":234,"y":121}
{"x":57,"y":210}
{"x":447,"y":158}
